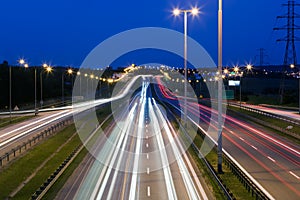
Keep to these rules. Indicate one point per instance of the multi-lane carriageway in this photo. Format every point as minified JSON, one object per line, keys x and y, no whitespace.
{"x":140,"y":158}
{"x":145,"y":131}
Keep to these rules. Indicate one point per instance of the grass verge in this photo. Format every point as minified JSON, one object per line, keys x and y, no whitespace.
{"x":228,"y":178}
{"x":14,"y":120}
{"x":16,"y":173}
{"x":276,"y":122}
{"x":51,"y":194}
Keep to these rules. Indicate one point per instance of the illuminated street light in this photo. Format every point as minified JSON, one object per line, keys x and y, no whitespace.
{"x":79,"y":74}
{"x":292,"y":66}
{"x":48,"y":69}
{"x":70,"y":71}
{"x":236,"y":69}
{"x":249,"y":67}
{"x":220,"y":84}
{"x":226,"y":71}
{"x":177,"y":12}
{"x":22,"y":62}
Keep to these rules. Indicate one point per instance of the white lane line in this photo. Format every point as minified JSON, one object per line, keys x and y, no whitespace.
{"x":147,"y":137}
{"x":146,"y":130}
{"x":271,"y":159}
{"x":147,"y":145}
{"x":163,"y":154}
{"x":117,"y":145}
{"x":231,"y":131}
{"x":242,"y":139}
{"x":238,"y":164}
{"x":147,"y":156}
{"x":148,"y":191}
{"x":32,"y":129}
{"x":253,"y":147}
{"x":134,"y":177}
{"x":148,"y":170}
{"x":35,"y":122}
{"x":297,"y":177}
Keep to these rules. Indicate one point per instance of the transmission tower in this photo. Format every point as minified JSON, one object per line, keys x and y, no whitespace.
{"x":290,"y":56}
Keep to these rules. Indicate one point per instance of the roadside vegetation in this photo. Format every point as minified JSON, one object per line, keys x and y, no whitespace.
{"x":6,"y":121}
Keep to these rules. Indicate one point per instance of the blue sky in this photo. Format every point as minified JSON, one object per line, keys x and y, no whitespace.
{"x":63,"y":32}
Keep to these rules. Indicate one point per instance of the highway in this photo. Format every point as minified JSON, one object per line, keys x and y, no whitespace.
{"x":273,"y":161}
{"x":12,"y":135}
{"x":285,"y":113}
{"x":140,"y":157}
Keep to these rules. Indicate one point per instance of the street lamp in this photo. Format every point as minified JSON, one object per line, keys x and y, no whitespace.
{"x":177,"y":12}
{"x":22,"y":62}
{"x":48,"y":70}
{"x":78,"y":74}
{"x":292,"y":66}
{"x":220,"y":83}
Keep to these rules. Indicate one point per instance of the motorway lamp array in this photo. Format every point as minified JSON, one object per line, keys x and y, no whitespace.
{"x":177,"y":12}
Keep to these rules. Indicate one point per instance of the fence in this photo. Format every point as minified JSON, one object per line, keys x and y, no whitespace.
{"x":4,"y":159}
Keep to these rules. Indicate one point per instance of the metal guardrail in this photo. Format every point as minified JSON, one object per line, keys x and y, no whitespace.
{"x":264,"y":123}
{"x":280,"y":117}
{"x":243,"y":178}
{"x":41,"y":191}
{"x":6,"y":157}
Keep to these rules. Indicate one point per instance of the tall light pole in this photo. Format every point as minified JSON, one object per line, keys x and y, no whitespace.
{"x":176,"y":12}
{"x":35,"y":96}
{"x":48,"y":69}
{"x":78,"y":74}
{"x":41,"y":82}
{"x":292,"y":66}
{"x":220,"y":83}
{"x":9,"y":93}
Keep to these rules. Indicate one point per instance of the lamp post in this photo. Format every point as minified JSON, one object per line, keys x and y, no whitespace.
{"x":35,"y":93}
{"x":48,"y":69}
{"x":220,"y":82}
{"x":78,"y":74}
{"x":292,"y":66}
{"x":194,"y":12}
{"x":9,"y":93}
{"x":44,"y":66}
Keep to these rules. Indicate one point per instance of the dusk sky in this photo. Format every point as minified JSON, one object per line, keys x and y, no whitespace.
{"x":63,"y":32}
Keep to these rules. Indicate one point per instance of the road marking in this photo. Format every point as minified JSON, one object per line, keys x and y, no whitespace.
{"x":253,"y":147}
{"x":146,"y":130}
{"x":147,"y":156}
{"x":242,"y":139}
{"x":271,"y":159}
{"x":147,"y":137}
{"x":146,"y":125}
{"x":147,"y":145}
{"x":297,"y":177}
{"x":148,"y":170}
{"x":231,"y":131}
{"x":148,"y":191}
